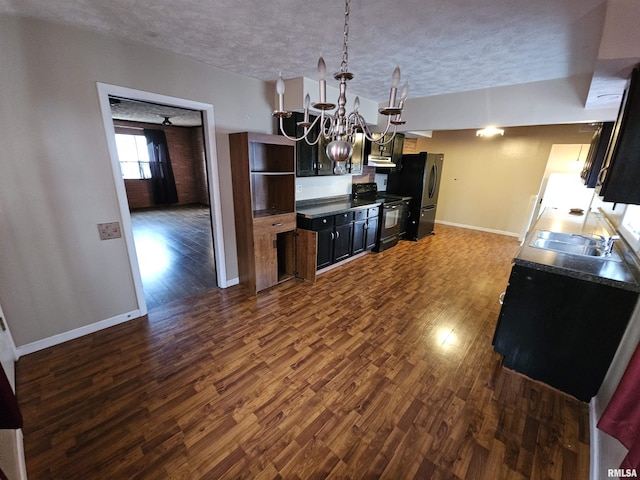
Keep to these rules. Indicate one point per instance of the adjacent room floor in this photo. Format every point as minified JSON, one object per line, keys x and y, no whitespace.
{"x":175,"y":252}
{"x":382,"y":369}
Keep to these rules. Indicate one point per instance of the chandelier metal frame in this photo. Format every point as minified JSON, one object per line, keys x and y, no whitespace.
{"x":340,"y":128}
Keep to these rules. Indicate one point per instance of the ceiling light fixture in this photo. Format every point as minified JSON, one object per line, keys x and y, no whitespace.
{"x":166,"y":121}
{"x":340,"y":128}
{"x":489,"y":132}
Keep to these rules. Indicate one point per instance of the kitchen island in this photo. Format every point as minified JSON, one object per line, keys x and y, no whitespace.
{"x":563,"y":314}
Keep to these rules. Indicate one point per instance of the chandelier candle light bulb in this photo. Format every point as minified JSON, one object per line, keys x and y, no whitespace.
{"x":322,"y":76}
{"x":307,"y":104}
{"x":280,"y":90}
{"x":395,"y":81}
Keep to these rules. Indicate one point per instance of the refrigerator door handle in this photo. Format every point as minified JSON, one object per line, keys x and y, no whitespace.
{"x":433,"y":180}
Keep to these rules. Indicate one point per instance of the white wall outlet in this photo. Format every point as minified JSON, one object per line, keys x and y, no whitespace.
{"x":109,"y":230}
{"x":298,"y":188}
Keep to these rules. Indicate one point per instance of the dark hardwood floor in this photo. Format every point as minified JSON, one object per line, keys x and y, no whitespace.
{"x":382,"y":369}
{"x":175,"y":252}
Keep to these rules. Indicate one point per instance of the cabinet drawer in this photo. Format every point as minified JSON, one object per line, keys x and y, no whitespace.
{"x":274,"y":223}
{"x":374,"y":212}
{"x":344,"y":218}
{"x":321,"y":223}
{"x":360,"y":214}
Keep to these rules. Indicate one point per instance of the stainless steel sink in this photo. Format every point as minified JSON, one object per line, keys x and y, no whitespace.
{"x":571,"y":238}
{"x":573,"y":244}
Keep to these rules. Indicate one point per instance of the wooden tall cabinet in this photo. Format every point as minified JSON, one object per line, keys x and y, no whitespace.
{"x":263,"y":173}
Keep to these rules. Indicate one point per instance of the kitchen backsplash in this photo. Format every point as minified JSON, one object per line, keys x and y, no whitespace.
{"x":308,"y":188}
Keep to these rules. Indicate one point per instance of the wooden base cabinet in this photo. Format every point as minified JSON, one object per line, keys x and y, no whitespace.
{"x":560,"y":330}
{"x":263,"y":175}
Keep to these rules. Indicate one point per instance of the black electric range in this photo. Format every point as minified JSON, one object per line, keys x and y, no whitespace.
{"x":393,"y":213}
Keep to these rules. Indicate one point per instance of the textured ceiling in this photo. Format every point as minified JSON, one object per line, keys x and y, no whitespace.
{"x":442,"y":46}
{"x":139,"y":111}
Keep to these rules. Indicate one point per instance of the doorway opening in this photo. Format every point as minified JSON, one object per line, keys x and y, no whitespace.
{"x":170,"y":237}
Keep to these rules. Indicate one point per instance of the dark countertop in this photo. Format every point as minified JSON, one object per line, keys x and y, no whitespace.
{"x":620,"y":274}
{"x":330,"y":206}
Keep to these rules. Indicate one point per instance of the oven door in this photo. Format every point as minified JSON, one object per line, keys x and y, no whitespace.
{"x":390,"y":226}
{"x":391,"y":219}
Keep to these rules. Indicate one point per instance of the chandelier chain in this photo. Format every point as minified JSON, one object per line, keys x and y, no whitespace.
{"x":344,"y":67}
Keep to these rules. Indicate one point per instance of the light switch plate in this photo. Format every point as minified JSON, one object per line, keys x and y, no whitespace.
{"x":109,"y":230}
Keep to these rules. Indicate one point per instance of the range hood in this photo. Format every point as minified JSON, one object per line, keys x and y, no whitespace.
{"x":380,"y":161}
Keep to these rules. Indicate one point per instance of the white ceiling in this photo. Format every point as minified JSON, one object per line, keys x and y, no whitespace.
{"x":442,"y":46}
{"x":141,"y":111}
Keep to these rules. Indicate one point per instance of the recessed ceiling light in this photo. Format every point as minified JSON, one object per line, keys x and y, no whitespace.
{"x":489,"y":132}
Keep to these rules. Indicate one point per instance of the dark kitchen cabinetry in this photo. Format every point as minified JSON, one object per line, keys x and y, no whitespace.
{"x":310,"y":159}
{"x":365,"y":229}
{"x":405,"y":217}
{"x":392,"y":149}
{"x":335,"y":233}
{"x":596,"y":155}
{"x":620,"y":176}
{"x":343,"y":232}
{"x":561,"y":330}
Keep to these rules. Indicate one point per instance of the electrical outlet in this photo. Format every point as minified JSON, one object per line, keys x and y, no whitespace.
{"x":298,"y":188}
{"x":109,"y":230}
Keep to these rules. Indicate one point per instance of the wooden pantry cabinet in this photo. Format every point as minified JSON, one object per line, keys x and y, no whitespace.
{"x":270,"y":249}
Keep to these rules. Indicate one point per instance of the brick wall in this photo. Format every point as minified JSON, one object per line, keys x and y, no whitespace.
{"x":186,"y":151}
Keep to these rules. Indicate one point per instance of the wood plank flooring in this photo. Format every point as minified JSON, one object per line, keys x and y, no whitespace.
{"x":174,"y":246}
{"x":383,"y":369}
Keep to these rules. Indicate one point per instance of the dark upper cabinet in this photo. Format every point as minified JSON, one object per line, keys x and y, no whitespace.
{"x":620,"y":176}
{"x":392,"y":149}
{"x":596,"y":155}
{"x":312,"y":159}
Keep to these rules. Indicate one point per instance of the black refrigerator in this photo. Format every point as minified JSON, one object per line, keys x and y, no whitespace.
{"x":418,"y":177}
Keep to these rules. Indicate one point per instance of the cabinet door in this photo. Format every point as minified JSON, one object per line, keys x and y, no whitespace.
{"x":325,"y":247}
{"x":357,"y":158}
{"x":324,"y":165}
{"x":342,"y":241}
{"x":359,"y":229}
{"x":266,"y":254}
{"x":306,"y":254}
{"x":552,"y":328}
{"x":372,"y":232}
{"x":306,"y":155}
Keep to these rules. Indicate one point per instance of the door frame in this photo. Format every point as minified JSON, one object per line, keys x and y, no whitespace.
{"x":106,"y":90}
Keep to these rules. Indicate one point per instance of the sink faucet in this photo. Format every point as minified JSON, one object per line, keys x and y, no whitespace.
{"x":590,"y":237}
{"x":607,"y":245}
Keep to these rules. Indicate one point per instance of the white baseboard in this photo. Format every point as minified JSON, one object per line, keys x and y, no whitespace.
{"x":481,"y":229}
{"x":12,"y":458}
{"x":76,"y":333}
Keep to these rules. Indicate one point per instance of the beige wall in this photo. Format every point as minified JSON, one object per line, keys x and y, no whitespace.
{"x":56,"y":275}
{"x":487,"y":183}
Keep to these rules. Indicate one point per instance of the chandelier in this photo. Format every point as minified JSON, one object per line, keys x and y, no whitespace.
{"x":339,"y":129}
